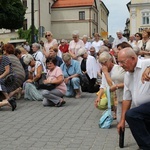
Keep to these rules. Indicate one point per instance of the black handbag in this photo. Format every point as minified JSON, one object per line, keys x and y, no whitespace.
{"x":48,"y":86}
{"x":84,"y":81}
{"x":9,"y":79}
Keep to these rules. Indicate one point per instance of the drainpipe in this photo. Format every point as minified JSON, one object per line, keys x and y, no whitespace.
{"x":39,"y":17}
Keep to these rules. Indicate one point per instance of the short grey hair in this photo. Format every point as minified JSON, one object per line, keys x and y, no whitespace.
{"x":27,"y":59}
{"x":37,"y":45}
{"x":104,"y":57}
{"x":75,"y":32}
{"x":66,"y":56}
{"x":103,"y":48}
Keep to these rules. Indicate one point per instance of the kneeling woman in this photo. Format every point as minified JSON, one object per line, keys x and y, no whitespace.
{"x":54,"y":76}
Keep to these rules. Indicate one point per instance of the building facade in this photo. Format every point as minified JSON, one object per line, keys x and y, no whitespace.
{"x":62,"y":17}
{"x":84,"y":16}
{"x":139,"y":15}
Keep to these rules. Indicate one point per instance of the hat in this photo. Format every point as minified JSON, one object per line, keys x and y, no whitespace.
{"x":27,"y":59}
{"x":81,"y":51}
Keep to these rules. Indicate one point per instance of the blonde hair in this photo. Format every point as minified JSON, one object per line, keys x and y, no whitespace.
{"x":49,"y":32}
{"x":104,"y":57}
{"x":23,"y":51}
{"x":66,"y":56}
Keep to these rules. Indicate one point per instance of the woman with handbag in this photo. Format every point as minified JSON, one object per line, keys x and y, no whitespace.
{"x":35,"y":72}
{"x":54,"y":76}
{"x":113,"y":76}
{"x":17,"y":67}
{"x":89,"y":67}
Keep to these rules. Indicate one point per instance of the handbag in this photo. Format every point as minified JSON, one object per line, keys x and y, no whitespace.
{"x":103,"y":103}
{"x":84,"y":81}
{"x":106,"y":118}
{"x":9,"y":79}
{"x":48,"y":86}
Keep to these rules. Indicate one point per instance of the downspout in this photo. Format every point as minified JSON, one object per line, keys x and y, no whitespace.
{"x":39,"y":18}
{"x":90,"y":23}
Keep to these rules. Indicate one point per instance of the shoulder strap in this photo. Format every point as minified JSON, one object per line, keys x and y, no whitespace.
{"x":67,"y":72}
{"x":108,"y":97}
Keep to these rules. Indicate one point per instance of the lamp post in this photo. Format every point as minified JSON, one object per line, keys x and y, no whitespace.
{"x":32,"y":21}
{"x":126,"y":32}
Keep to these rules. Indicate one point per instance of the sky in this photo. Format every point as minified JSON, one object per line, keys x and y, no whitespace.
{"x":118,"y":13}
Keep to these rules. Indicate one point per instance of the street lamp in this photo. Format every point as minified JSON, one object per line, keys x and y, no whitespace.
{"x":126,"y":32}
{"x":32,"y":21}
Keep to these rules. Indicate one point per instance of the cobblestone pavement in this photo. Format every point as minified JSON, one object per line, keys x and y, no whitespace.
{"x":71,"y":127}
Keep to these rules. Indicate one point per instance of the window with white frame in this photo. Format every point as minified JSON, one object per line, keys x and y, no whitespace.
{"x":146,"y":18}
{"x":81,"y":15}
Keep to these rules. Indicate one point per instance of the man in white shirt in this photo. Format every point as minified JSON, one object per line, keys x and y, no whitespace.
{"x":137,"y":93}
{"x":120,"y":38}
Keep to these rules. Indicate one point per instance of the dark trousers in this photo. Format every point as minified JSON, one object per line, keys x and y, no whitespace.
{"x":91,"y":87}
{"x":138,"y":119}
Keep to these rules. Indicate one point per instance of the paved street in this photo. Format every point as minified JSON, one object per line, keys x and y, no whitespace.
{"x":71,"y":127}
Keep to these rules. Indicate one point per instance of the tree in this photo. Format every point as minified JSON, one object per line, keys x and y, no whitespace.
{"x":11,"y":14}
{"x":26,"y":34}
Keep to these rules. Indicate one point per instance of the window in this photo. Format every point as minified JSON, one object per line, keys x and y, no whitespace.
{"x":24,"y":3}
{"x":146,"y":18}
{"x":25,"y":25}
{"x":49,"y":8}
{"x":81,"y":15}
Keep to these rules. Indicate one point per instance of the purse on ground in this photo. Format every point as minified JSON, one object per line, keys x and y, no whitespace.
{"x":106,"y":118}
{"x":9,"y":79}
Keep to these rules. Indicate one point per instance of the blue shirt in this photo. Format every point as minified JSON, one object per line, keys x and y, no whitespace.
{"x":73,"y":68}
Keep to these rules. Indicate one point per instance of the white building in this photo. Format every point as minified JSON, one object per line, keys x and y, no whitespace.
{"x":61,"y":17}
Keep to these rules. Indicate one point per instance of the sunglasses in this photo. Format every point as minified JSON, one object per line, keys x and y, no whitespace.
{"x":47,"y":35}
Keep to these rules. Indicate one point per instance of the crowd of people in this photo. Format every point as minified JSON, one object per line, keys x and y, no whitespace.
{"x":122,"y":65}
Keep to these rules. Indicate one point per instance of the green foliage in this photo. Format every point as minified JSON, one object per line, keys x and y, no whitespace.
{"x":11,"y":14}
{"x":26,"y":34}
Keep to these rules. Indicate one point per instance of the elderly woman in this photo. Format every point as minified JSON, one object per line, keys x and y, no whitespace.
{"x":38,"y":55}
{"x":50,"y":42}
{"x":90,"y":68}
{"x":144,"y":44}
{"x":138,"y":36}
{"x":54,"y":76}
{"x":53,"y":53}
{"x":19,"y":54}
{"x":71,"y":71}
{"x":35,"y":72}
{"x":97,"y":43}
{"x":75,"y":45}
{"x":17,"y":67}
{"x":6,"y":87}
{"x":87,"y":44}
{"x":113,"y":76}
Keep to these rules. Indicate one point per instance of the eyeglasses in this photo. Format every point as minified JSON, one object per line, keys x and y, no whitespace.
{"x":123,"y":62}
{"x":75,"y":37}
{"x":47,"y":35}
{"x":137,"y":36}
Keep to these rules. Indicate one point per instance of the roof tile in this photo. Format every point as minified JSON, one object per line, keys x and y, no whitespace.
{"x":72,"y":3}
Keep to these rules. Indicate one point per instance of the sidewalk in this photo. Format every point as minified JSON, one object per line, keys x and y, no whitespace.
{"x":71,"y":127}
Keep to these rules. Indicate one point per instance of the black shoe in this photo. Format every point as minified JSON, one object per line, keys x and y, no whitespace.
{"x":13,"y":103}
{"x":61,"y":103}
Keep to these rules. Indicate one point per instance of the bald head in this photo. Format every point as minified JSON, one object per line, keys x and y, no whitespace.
{"x":127,"y":59}
{"x":127,"y":52}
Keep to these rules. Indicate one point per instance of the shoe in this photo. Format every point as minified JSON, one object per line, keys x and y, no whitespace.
{"x":61,"y":103}
{"x":13,"y":103}
{"x":78,"y":96}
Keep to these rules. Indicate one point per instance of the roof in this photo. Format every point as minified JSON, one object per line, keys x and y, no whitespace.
{"x":72,"y":3}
